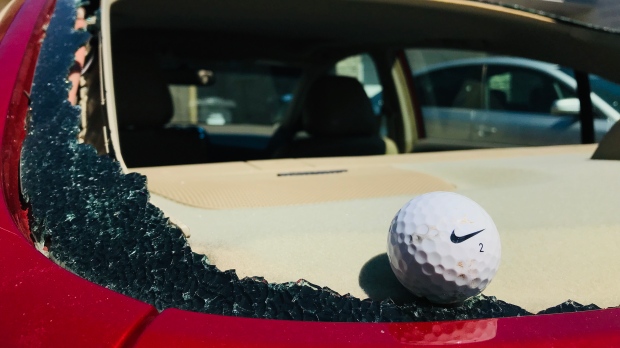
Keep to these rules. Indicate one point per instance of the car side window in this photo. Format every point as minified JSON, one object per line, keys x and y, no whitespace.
{"x":459,"y":87}
{"x":472,"y":99}
{"x":523,"y":90}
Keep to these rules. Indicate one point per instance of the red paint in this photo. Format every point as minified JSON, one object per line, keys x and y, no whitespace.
{"x":188,"y":330}
{"x":42,"y":305}
{"x":45,"y":306}
{"x":9,"y":15}
{"x":18,"y":53}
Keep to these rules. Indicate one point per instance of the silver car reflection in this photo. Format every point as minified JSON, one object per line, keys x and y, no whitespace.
{"x":497,"y":101}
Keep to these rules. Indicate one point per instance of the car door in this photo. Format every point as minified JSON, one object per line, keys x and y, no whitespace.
{"x":450,"y":97}
{"x":517,"y":109}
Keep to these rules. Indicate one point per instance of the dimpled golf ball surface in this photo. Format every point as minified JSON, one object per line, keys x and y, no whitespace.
{"x":444,"y":247}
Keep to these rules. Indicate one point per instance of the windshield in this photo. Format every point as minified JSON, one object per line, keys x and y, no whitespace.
{"x":598,"y":13}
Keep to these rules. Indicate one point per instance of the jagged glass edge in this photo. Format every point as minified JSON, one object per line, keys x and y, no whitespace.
{"x":556,"y":17}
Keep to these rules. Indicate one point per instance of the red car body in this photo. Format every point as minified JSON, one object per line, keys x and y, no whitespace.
{"x":44,"y":305}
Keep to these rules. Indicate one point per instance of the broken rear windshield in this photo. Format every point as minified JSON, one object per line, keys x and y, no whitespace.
{"x":97,"y":222}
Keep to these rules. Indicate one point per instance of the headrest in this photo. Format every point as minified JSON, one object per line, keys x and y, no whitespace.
{"x":338,"y":106}
{"x":141,"y":93}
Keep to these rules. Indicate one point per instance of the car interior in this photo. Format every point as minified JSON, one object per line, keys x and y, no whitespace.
{"x":143,"y":125}
{"x":149,"y":52}
{"x":334,"y":115}
{"x":339,"y":119}
{"x":270,"y":174}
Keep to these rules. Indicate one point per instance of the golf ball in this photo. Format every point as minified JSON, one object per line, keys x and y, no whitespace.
{"x":444,"y":247}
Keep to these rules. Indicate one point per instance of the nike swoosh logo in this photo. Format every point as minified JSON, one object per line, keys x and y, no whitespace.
{"x":455,"y":239}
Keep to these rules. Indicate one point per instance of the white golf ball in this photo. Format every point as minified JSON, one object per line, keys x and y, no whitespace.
{"x":444,"y":247}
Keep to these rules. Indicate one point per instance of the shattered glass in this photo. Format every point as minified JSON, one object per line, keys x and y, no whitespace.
{"x":98,"y":223}
{"x":549,"y":13}
{"x":569,"y":306}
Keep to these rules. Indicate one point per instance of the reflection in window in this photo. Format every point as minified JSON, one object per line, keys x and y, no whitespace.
{"x":453,"y":87}
{"x":225,"y":93}
{"x":526,"y":90}
{"x":475,"y":99}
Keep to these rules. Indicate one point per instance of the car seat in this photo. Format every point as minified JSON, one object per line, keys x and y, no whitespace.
{"x":338,"y":117}
{"x":143,"y":110}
